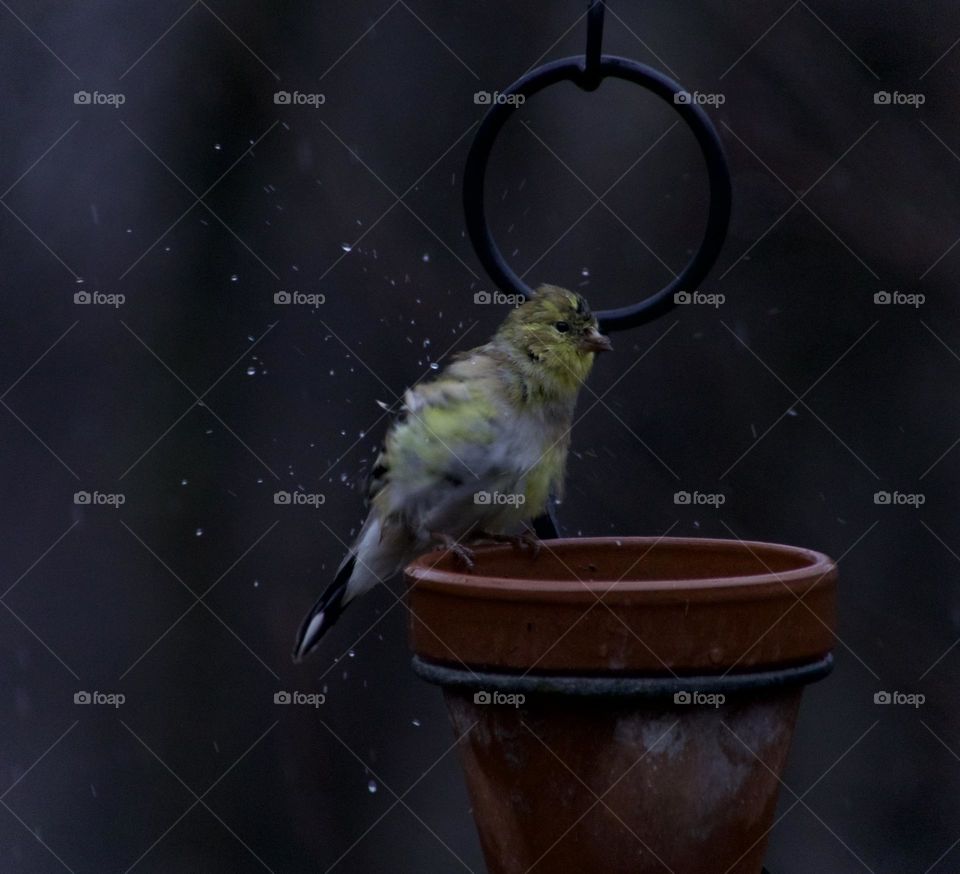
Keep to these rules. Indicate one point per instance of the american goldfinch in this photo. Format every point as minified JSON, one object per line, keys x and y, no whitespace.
{"x":474,"y":453}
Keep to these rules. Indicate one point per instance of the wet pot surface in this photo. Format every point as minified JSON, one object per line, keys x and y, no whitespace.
{"x":624,"y":705}
{"x":565,"y":787}
{"x":630,"y":605}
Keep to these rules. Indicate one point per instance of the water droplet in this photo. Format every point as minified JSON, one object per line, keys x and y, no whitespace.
{"x":217,"y":146}
{"x":426,"y":258}
{"x":251,"y":371}
{"x":256,"y":584}
{"x":415,"y":723}
{"x":434,"y":365}
{"x":346,"y":247}
{"x":352,"y":654}
{"x":198,"y":532}
{"x":234,"y":277}
{"x":183,"y":482}
{"x":372,"y":787}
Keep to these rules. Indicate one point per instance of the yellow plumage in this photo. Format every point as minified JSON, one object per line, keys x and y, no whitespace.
{"x":476,"y":451}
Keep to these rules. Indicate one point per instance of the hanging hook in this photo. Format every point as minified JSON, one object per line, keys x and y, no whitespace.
{"x":588,"y":72}
{"x":592,"y":77}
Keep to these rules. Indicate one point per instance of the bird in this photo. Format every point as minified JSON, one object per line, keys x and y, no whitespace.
{"x":474,"y":453}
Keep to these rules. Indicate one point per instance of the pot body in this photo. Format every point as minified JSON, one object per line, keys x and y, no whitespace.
{"x":624,"y":705}
{"x":566,"y":785}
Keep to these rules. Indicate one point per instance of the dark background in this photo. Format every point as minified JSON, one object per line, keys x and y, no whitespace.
{"x":798,"y":398}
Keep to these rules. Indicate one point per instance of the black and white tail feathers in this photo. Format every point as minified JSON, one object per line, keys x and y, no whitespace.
{"x":325,"y":612}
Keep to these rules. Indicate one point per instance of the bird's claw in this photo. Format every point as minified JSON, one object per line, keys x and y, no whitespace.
{"x":529,"y":540}
{"x":522,"y":542}
{"x":461,"y":554}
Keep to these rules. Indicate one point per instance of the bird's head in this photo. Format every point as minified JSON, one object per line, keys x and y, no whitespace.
{"x":555,"y":337}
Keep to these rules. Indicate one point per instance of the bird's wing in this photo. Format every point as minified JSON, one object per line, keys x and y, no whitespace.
{"x":378,"y":477}
{"x":440,"y":442}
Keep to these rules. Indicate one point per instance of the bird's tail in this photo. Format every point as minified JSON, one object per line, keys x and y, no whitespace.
{"x":378,"y":554}
{"x":325,"y":612}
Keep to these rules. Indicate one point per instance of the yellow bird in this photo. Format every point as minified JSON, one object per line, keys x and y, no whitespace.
{"x":474,"y":453}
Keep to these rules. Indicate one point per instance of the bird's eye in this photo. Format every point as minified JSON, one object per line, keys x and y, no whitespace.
{"x":562,"y":327}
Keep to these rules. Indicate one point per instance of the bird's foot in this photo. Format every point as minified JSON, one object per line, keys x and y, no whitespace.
{"x":462,"y":555}
{"x":528,"y":541}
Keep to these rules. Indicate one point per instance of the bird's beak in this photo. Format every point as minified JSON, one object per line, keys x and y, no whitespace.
{"x":594,"y":341}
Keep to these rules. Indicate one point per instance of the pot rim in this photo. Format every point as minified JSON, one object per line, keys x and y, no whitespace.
{"x":426,"y":573}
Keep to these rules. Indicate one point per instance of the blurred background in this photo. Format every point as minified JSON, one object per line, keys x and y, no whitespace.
{"x":180,"y":199}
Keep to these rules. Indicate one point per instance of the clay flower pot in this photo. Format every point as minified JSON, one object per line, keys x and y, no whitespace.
{"x":625,"y":704}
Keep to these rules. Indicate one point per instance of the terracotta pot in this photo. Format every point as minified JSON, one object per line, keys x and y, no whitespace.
{"x":625,"y":704}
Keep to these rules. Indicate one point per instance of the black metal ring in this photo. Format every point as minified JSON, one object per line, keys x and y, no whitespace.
{"x":622,"y":687}
{"x":587,"y":73}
